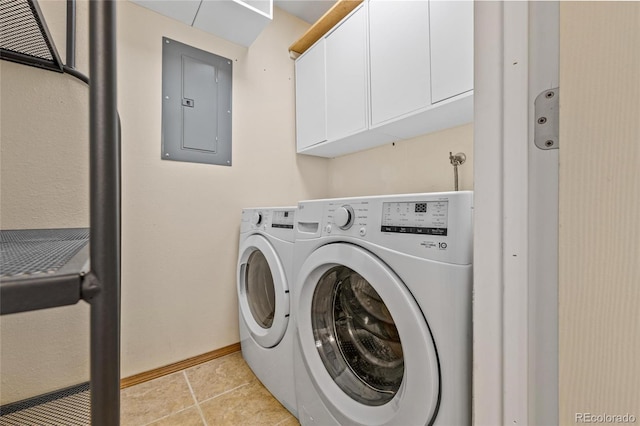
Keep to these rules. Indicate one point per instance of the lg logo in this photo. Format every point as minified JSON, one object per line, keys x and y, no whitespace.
{"x":432,"y":244}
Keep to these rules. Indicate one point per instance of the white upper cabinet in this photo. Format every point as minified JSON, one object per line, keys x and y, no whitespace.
{"x":414,"y":76}
{"x":239,"y":21}
{"x":346,"y":78}
{"x":311,"y":105}
{"x":451,"y":24}
{"x":399,"y":55}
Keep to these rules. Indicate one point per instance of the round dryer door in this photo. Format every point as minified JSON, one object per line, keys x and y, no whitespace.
{"x":364,"y":340}
{"x":262,"y":291}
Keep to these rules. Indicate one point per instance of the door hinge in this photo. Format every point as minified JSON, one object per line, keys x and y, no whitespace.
{"x":546,"y":127}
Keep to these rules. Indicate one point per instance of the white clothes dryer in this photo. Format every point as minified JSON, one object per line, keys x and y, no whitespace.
{"x":382,"y":305}
{"x":263,"y":279}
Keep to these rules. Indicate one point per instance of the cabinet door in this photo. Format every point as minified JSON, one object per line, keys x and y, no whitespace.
{"x":347,"y":76}
{"x":311,"y":111}
{"x":399,"y":58}
{"x":451,"y":48}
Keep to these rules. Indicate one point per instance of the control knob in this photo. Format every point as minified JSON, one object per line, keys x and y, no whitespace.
{"x":256,"y":218}
{"x":344,"y":217}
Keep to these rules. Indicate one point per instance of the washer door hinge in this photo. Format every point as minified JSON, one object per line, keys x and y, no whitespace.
{"x":546,"y":127}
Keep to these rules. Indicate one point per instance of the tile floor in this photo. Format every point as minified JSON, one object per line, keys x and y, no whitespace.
{"x":217,"y":393}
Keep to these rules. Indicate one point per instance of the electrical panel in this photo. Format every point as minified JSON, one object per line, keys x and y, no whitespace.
{"x":196,"y":105}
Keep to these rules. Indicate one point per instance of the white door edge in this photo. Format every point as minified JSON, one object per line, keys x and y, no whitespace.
{"x":488,"y":216}
{"x":544,"y":74}
{"x":512,"y":370}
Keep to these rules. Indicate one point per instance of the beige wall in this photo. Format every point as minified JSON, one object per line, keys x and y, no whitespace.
{"x":180,"y":220}
{"x":44,"y":162}
{"x":599,"y":204}
{"x":420,"y":164}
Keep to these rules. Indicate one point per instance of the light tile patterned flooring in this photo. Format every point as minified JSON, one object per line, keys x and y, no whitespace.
{"x":220,"y":392}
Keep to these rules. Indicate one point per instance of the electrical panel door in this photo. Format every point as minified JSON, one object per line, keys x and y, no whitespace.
{"x":196,"y":105}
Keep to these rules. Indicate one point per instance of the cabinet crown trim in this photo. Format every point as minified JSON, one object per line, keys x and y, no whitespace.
{"x":329,"y":20}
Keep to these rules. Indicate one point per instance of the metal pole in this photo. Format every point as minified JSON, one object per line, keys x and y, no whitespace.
{"x":105,"y":215}
{"x":71,"y":33}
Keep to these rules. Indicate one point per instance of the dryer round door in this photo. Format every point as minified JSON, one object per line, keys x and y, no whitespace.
{"x":365,"y":342}
{"x":263,"y":291}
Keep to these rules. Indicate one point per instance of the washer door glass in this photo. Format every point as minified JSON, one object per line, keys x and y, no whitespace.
{"x":260,"y":289}
{"x":364,"y":341}
{"x":351,"y":319}
{"x":263,"y":291}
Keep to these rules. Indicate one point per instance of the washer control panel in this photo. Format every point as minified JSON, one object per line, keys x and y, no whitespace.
{"x":346,"y":218}
{"x":436,"y":226}
{"x":415,"y":217}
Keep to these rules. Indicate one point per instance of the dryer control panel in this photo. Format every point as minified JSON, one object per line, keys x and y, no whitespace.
{"x":275,"y":221}
{"x":282,"y":219}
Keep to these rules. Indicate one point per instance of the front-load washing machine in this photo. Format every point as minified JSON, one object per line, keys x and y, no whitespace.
{"x":263,"y":278}
{"x":382,"y":304}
